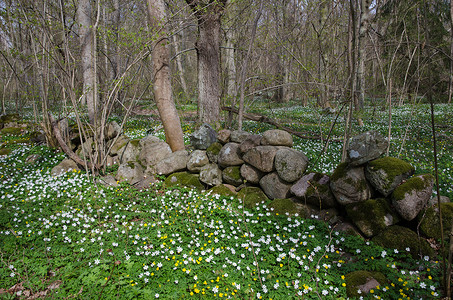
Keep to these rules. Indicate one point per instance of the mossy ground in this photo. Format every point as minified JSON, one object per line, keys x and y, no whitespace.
{"x":430,"y":224}
{"x":358,"y":278}
{"x":183,"y":179}
{"x":283,"y":207}
{"x":252,"y":196}
{"x":221,"y":190}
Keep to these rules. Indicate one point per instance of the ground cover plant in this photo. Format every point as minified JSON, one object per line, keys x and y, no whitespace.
{"x":67,"y":237}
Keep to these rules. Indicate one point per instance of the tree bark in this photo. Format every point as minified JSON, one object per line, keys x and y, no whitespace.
{"x":87,"y":57}
{"x":208,"y":55}
{"x":161,"y":79}
{"x":363,"y":29}
{"x":450,"y":86}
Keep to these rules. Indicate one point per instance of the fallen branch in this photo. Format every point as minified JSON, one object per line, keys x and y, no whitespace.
{"x":264,"y":119}
{"x":66,"y":149}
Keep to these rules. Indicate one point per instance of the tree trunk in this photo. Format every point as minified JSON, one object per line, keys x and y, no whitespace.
{"x":161,"y":78}
{"x":450,"y":87}
{"x":86,"y":41}
{"x":180,"y":68}
{"x":208,"y":55}
{"x":363,"y":29}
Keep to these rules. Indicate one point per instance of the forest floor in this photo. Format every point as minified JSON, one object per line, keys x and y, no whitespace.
{"x":67,"y":237}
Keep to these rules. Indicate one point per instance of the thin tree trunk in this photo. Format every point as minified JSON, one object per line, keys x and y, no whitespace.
{"x":86,"y":41}
{"x":244,"y":67}
{"x":161,"y":79}
{"x":180,"y":68}
{"x":450,"y":87}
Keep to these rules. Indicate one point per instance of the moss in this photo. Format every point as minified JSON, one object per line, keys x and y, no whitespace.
{"x":339,"y":172}
{"x":252,"y":196}
{"x":135,"y":142}
{"x":358,"y":278}
{"x":392,"y":167}
{"x":417,"y":183}
{"x":429,"y":221}
{"x":398,"y":237}
{"x":183,"y":179}
{"x":11,"y":131}
{"x":221,"y":190}
{"x":131,"y":165}
{"x":369,"y":216}
{"x":214,"y":148}
{"x":5,"y":151}
{"x":232,"y":175}
{"x":283,"y":206}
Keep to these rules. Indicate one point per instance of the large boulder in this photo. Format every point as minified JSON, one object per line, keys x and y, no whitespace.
{"x":365,"y":147}
{"x":222,"y":190}
{"x":290,"y":164}
{"x":183,"y":179}
{"x":229,"y":155}
{"x":130,"y":152}
{"x":252,"y":141}
{"x":176,"y":161}
{"x":130,"y":172}
{"x":153,"y":150}
{"x":386,"y":173}
{"x":251,"y":174}
{"x":274,"y":187}
{"x":66,"y":165}
{"x":197,"y":160}
{"x":411,"y":197}
{"x":314,"y":189}
{"x":203,"y":137}
{"x":261,"y":157}
{"x":402,"y":238}
{"x":238,"y":136}
{"x":252,"y":196}
{"x":211,"y":174}
{"x":430,"y":224}
{"x":118,"y":144}
{"x":277,"y":137}
{"x":372,"y":216}
{"x":232,"y":175}
{"x":349,"y":185}
{"x":112,"y":130}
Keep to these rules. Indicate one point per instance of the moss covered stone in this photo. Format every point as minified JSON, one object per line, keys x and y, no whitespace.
{"x":9,"y":118}
{"x":418,"y":183}
{"x":5,"y":151}
{"x":392,"y":166}
{"x":398,"y":237}
{"x":372,"y":216}
{"x":214,"y":148}
{"x":429,"y":221}
{"x":135,"y":143}
{"x":363,"y":281}
{"x":183,"y":179}
{"x":232,"y":175}
{"x":283,"y":207}
{"x":252,"y":196}
{"x":221,"y":190}
{"x":11,"y":131}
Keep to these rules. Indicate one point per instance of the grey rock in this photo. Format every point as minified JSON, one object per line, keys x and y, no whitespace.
{"x":211,"y":174}
{"x":112,"y":160}
{"x":152,"y":153}
{"x":108,"y":180}
{"x":229,"y":155}
{"x":120,"y":142}
{"x":261,"y":157}
{"x":314,"y":189}
{"x":365,"y":147}
{"x":277,"y":137}
{"x":238,"y":136}
{"x":349,"y":185}
{"x":32,"y":158}
{"x":147,"y":182}
{"x":203,"y":137}
{"x":411,"y":197}
{"x":224,"y":136}
{"x":213,"y":152}
{"x":274,"y":187}
{"x":290,"y":164}
{"x":250,"y":142}
{"x":128,"y":153}
{"x":197,"y":159}
{"x":251,"y":174}
{"x":385,"y":174}
{"x":113,"y":130}
{"x":130,"y":172}
{"x":148,"y":140}
{"x":176,"y":161}
{"x":433,"y":200}
{"x":66,"y":165}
